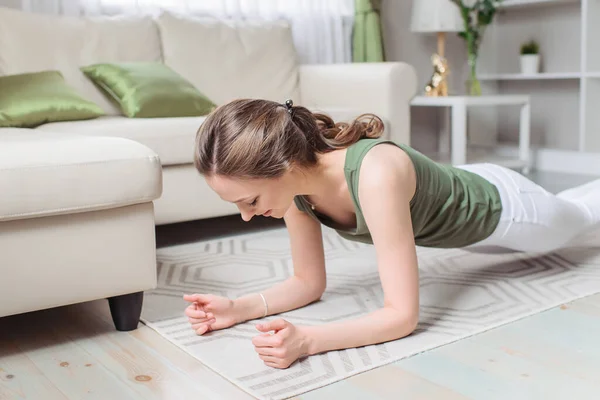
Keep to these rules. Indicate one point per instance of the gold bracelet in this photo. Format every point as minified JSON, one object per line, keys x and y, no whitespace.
{"x":266,"y":306}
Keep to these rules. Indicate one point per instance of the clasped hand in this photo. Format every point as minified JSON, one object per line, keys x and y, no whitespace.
{"x":279,"y":344}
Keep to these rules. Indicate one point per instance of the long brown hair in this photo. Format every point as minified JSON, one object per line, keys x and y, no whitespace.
{"x":252,"y":138}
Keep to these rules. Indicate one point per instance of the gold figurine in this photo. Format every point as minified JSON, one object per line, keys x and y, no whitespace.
{"x":438,"y":85}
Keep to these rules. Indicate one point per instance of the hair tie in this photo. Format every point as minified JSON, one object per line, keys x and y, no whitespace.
{"x":288,"y":105}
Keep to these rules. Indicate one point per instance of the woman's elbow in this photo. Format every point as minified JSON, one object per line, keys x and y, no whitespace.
{"x":316,"y":291}
{"x":408,"y":324}
{"x":411,"y":323}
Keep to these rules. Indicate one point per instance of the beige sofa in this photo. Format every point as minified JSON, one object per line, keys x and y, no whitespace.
{"x":224,"y":60}
{"x":76,"y":222}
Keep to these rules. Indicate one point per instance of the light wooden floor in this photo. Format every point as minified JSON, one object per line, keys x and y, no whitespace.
{"x":74,"y":352}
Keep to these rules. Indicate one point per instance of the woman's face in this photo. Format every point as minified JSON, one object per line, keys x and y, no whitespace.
{"x":268,"y":197}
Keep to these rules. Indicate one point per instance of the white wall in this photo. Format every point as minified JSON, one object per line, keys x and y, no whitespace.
{"x":10,"y":3}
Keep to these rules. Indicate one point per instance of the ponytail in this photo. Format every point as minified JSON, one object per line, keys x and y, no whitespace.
{"x":324,"y":135}
{"x":341,"y":135}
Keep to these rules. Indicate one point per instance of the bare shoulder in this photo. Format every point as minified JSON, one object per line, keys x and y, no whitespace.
{"x":294,"y":214}
{"x":300,"y":223}
{"x":387,"y":167}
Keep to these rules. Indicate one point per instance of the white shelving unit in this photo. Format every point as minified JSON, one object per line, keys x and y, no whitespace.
{"x":543,"y":75}
{"x":526,"y":3}
{"x":565,"y":95}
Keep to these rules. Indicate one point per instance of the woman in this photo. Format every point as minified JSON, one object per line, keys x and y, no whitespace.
{"x":282,"y":161}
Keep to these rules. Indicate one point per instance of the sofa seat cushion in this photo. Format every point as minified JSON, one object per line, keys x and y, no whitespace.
{"x":52,"y":174}
{"x":171,"y":138}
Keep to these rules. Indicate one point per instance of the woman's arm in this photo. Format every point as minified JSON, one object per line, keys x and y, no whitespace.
{"x":309,"y":279}
{"x":386,"y":186}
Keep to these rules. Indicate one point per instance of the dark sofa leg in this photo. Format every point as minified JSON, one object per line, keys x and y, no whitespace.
{"x":126,"y":310}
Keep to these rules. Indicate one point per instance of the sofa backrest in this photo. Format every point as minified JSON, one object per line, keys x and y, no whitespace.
{"x":227,"y":59}
{"x":34,"y":42}
{"x":223,"y":59}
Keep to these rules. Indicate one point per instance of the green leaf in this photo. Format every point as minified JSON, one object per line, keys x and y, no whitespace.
{"x":531,"y":47}
{"x":485,"y":18}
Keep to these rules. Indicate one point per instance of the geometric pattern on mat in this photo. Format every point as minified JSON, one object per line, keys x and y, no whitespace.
{"x":462,"y":294}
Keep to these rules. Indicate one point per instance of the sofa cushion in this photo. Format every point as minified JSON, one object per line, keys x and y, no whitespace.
{"x":228,"y":59}
{"x":171,"y":138}
{"x":35,"y":42}
{"x":32,"y":99}
{"x":149,"y":90}
{"x":51,"y":174}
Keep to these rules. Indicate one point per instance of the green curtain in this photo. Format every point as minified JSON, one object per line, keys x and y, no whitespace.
{"x":367,"y":38}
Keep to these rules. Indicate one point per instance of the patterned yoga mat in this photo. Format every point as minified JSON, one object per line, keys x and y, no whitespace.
{"x":462,"y":294}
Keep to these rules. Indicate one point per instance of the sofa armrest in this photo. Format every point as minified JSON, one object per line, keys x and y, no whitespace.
{"x":384,"y":89}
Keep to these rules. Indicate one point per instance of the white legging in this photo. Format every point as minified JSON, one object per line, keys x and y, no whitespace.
{"x":533,"y":219}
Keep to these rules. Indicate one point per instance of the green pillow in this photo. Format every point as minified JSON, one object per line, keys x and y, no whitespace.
{"x":32,"y":99}
{"x":149,"y":90}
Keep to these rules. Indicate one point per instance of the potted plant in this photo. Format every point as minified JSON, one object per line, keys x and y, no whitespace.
{"x":476,"y":16}
{"x":530,"y":58}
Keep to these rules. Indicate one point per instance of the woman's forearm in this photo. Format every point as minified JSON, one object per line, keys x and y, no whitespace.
{"x":287,"y":295}
{"x":379,"y":326}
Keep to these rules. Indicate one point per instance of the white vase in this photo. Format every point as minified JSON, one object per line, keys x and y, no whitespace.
{"x":530,"y":64}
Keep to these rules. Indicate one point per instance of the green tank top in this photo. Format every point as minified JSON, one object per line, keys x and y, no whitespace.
{"x":451,"y":207}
